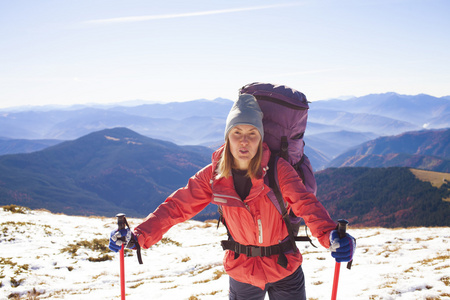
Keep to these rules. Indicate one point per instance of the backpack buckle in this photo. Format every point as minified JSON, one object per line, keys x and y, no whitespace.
{"x":254,"y":251}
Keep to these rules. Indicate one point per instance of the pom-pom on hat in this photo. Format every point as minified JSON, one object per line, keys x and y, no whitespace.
{"x":245,"y":111}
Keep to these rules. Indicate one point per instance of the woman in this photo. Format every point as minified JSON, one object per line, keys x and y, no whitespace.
{"x":235,"y":181}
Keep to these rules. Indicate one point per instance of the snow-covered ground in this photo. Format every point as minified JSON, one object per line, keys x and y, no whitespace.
{"x":40,"y":259}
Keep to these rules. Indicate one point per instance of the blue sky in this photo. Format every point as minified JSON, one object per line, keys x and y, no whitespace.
{"x":88,"y":51}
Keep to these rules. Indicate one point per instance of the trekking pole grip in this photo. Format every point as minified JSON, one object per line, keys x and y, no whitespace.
{"x":342,"y":228}
{"x":121,"y":221}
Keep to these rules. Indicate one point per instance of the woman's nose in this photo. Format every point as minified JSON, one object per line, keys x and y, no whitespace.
{"x":244,"y":139}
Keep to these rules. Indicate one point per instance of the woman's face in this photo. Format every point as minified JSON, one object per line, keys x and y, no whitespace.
{"x":244,"y":142}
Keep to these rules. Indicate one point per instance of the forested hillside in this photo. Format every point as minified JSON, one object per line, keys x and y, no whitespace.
{"x":387,"y":197}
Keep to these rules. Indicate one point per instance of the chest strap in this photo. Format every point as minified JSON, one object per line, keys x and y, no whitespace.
{"x":254,"y":251}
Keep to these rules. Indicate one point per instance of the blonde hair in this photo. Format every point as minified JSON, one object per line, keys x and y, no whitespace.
{"x":226,"y":162}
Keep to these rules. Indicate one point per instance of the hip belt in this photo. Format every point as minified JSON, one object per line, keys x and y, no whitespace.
{"x":255,"y":251}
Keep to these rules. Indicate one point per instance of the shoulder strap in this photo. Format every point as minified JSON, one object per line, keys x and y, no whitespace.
{"x":280,"y":204}
{"x":273,"y":184}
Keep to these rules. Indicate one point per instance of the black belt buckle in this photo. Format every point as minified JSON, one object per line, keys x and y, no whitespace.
{"x":255,"y":251}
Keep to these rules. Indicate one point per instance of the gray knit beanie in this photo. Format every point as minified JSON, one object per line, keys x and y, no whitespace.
{"x":245,"y":111}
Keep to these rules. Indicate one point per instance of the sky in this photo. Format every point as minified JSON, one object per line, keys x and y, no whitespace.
{"x":108,"y":51}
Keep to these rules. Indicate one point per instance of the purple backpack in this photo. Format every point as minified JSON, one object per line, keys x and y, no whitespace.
{"x":285,"y":115}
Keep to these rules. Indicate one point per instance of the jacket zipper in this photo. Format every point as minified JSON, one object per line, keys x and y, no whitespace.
{"x":260,"y":231}
{"x":259,"y":222}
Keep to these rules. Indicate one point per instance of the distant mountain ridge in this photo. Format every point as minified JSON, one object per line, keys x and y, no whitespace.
{"x":102,"y":173}
{"x":12,"y":146}
{"x":426,"y":149}
{"x":201,"y":122}
{"x":420,"y":110}
{"x":182,"y":123}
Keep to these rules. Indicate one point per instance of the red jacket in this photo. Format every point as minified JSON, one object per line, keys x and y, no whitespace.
{"x":254,"y":221}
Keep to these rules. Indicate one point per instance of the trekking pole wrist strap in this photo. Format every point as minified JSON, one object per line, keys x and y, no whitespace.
{"x":134,"y":243}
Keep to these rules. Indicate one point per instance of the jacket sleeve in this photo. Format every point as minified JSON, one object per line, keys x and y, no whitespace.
{"x":180,"y":206}
{"x":304,"y":204}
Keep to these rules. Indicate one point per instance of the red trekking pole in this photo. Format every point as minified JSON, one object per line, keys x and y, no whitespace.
{"x":342,"y":228}
{"x":121,"y":224}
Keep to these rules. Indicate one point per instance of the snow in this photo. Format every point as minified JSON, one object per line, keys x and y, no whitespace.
{"x":411,"y":263}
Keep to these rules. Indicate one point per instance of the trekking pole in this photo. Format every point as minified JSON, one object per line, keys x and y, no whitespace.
{"x":121,"y":224}
{"x":342,"y":228}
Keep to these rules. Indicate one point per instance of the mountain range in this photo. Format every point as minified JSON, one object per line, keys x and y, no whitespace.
{"x":102,"y":173}
{"x":118,"y":170}
{"x":425,"y":149}
{"x":104,"y":160}
{"x":334,"y":126}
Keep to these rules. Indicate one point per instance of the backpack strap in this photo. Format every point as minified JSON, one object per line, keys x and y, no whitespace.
{"x":276,"y":190}
{"x":280,"y":204}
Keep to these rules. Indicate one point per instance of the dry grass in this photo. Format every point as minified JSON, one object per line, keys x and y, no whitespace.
{"x":202,"y":269}
{"x":435,"y":260}
{"x":437,"y":179}
{"x":31,"y":295}
{"x":216,"y":276}
{"x":166,"y":240}
{"x":446,"y":280}
{"x":96,"y":245}
{"x":15,"y":209}
{"x":136,"y":285}
{"x":442,"y":267}
{"x":195,"y":297}
{"x":204,"y":224}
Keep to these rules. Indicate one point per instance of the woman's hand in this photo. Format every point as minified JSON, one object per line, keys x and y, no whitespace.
{"x":342,"y":249}
{"x":119,"y":238}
